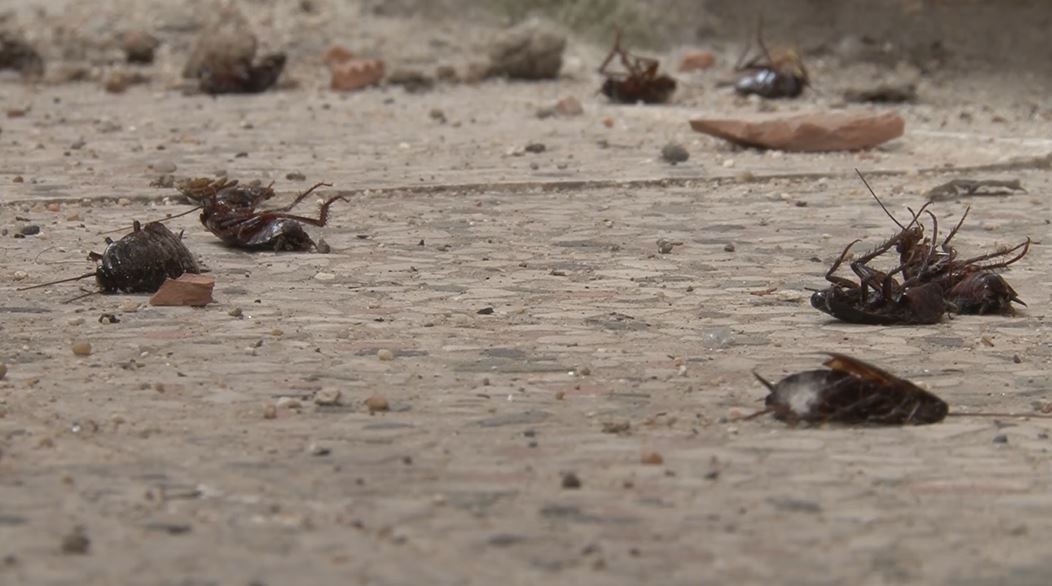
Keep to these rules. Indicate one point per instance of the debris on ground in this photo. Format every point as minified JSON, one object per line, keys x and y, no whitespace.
{"x":566,"y":107}
{"x":696,"y":60}
{"x":638,"y":82}
{"x":377,"y":404}
{"x":571,"y":481}
{"x":806,"y":132}
{"x":139,"y":262}
{"x":883,"y":93}
{"x":355,"y":74}
{"x":16,"y":53}
{"x":531,"y":50}
{"x":674,"y":153}
{"x":187,"y":289}
{"x":336,"y":53}
{"x":850,"y":392}
{"x":223,"y":61}
{"x":76,"y":542}
{"x":969,"y":187}
{"x":138,"y":46}
{"x":411,"y":80}
{"x":81,"y":348}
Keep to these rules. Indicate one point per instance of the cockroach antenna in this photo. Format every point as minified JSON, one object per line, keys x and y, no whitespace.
{"x":187,"y":212}
{"x":84,"y":276}
{"x":874,"y":194}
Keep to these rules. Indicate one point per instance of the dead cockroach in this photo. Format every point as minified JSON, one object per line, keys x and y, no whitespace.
{"x":968,"y":187}
{"x":228,"y":210}
{"x":241,"y":77}
{"x":856,"y":392}
{"x":139,"y":262}
{"x":853,"y":392}
{"x":934,"y":280}
{"x":778,"y":75}
{"x":639,"y":82}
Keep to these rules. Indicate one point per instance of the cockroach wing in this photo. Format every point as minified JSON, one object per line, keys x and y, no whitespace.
{"x":864,"y":370}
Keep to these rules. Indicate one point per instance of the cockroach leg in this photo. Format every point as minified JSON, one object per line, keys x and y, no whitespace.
{"x":302,"y":196}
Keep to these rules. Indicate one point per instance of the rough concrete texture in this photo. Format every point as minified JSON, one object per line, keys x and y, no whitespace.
{"x":514,"y":311}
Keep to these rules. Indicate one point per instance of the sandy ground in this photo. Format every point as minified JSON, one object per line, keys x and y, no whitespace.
{"x":157,"y":447}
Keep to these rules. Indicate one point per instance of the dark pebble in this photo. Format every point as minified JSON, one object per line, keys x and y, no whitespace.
{"x":30,"y":230}
{"x":1000,"y":439}
{"x":674,"y":153}
{"x":485,"y":311}
{"x":535,"y":147}
{"x":571,"y":481}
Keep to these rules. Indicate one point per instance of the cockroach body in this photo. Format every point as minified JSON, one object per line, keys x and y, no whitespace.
{"x":229,"y":211}
{"x":139,"y":262}
{"x":640,"y":82}
{"x":981,"y":293}
{"x":242,"y":77}
{"x":781,"y":75}
{"x":851,"y":392}
{"x":921,"y":305}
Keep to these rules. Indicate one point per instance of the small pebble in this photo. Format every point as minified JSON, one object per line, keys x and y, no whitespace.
{"x":1016,"y":359}
{"x":729,"y":247}
{"x":277,"y":332}
{"x":377,"y":403}
{"x":674,"y":153}
{"x":20,"y":275}
{"x":82,"y":348}
{"x":295,"y":176}
{"x":322,"y":246}
{"x":76,"y":321}
{"x":164,"y":166}
{"x":327,"y":397}
{"x":236,"y":312}
{"x":1000,"y":439}
{"x":30,"y":230}
{"x":728,"y":163}
{"x":385,"y":354}
{"x":54,"y":206}
{"x":535,"y":147}
{"x":325,"y":277}
{"x":289,"y":403}
{"x":76,"y":542}
{"x":319,"y":450}
{"x":652,"y":459}
{"x":485,"y":311}
{"x":571,"y":481}
{"x":270,"y":411}
{"x":130,"y":306}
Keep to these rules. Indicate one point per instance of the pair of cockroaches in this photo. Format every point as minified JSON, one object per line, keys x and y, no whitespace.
{"x":769,"y":75}
{"x":141,"y":261}
{"x":928,"y":281}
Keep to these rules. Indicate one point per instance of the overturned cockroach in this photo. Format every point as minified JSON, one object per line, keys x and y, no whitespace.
{"x":228,"y":210}
{"x":778,"y":75}
{"x":139,"y":262}
{"x":639,"y":82}
{"x":241,"y":77}
{"x":934,"y":280}
{"x":855,"y":392}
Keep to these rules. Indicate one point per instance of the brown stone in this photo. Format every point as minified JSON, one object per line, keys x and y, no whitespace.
{"x":188,"y":289}
{"x":356,"y":74}
{"x":809,"y":132}
{"x":336,"y":53}
{"x":696,"y":60}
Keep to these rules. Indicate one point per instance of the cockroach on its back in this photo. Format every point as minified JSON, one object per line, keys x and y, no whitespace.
{"x":139,"y":262}
{"x":640,"y":82}
{"x":228,"y":210}
{"x":779,"y":75}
